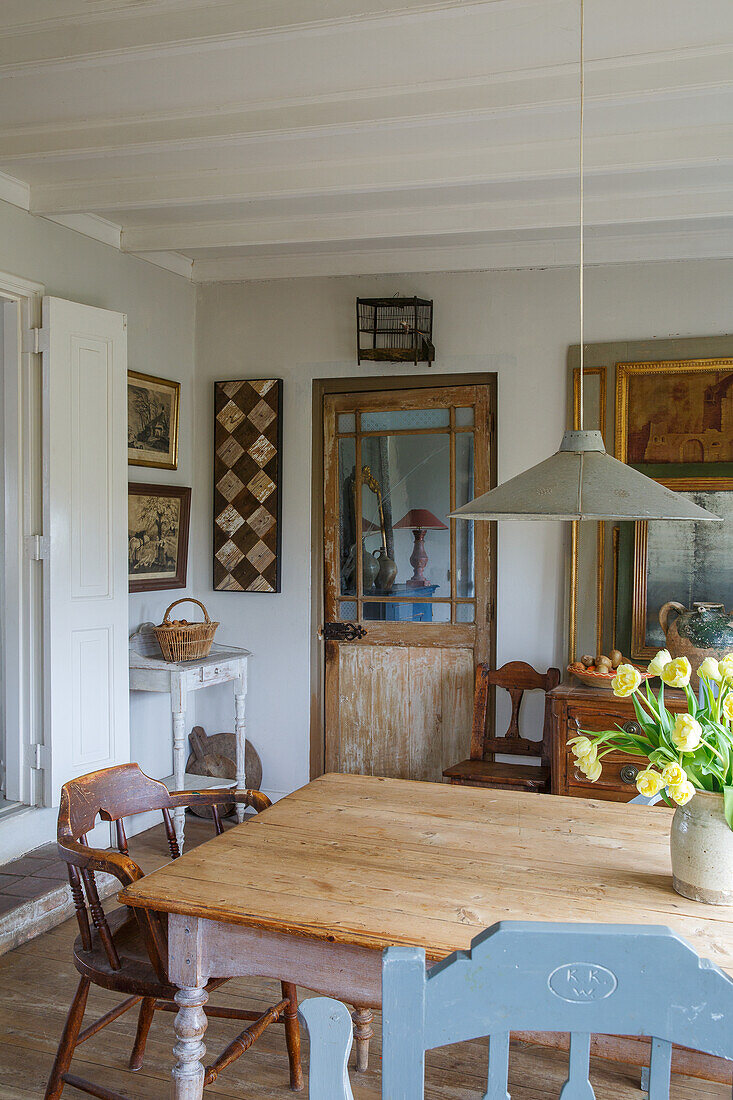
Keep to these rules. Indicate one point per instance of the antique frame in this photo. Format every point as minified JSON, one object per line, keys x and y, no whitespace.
{"x":654,"y":355}
{"x":639,"y":649}
{"x":170,"y":462}
{"x":139,"y":583}
{"x":626,"y":371}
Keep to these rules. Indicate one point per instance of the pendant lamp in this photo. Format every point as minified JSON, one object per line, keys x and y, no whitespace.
{"x":581,"y":480}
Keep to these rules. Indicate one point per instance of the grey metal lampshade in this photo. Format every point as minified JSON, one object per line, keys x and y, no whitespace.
{"x":582,"y":481}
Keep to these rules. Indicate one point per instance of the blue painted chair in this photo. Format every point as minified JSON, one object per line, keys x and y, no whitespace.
{"x":580,"y":978}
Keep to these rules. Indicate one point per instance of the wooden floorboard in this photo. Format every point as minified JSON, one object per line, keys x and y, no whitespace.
{"x":38,"y":980}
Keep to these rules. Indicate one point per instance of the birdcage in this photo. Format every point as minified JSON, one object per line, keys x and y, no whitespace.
{"x":396,"y":330}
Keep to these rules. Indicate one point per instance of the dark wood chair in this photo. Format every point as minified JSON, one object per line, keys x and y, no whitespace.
{"x":126,"y":950}
{"x":482,"y":769}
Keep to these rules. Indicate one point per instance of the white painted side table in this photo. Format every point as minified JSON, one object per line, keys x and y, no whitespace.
{"x":150,"y":672}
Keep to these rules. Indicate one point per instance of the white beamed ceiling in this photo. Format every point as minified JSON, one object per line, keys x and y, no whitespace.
{"x":277,"y":138}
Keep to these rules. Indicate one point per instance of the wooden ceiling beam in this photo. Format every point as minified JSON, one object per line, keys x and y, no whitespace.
{"x":432,"y":223}
{"x":611,"y":155}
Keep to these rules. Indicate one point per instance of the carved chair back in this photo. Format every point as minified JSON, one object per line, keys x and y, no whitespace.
{"x":112,"y":795}
{"x":578,"y":978}
{"x":516,"y":678}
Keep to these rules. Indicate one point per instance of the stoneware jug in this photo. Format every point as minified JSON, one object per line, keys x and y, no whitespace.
{"x":701,"y":843}
{"x":704,"y":631}
{"x":387,"y":571}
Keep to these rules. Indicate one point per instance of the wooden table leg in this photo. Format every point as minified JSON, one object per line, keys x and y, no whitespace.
{"x":363,"y":1032}
{"x":178,"y":706}
{"x":186,"y":970}
{"x":189,"y":1050}
{"x":240,"y":732}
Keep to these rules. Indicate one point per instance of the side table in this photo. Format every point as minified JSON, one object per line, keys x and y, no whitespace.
{"x":149,"y":672}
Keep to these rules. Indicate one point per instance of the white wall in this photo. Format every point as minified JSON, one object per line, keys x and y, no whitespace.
{"x":160,"y":309}
{"x":517,"y":323}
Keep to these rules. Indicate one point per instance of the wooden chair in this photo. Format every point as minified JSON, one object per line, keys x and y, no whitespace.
{"x":632,"y":980}
{"x":482,"y":769}
{"x":126,"y":950}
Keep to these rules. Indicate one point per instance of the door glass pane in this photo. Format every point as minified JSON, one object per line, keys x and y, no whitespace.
{"x":465,"y":613}
{"x":404,"y":611}
{"x":464,"y":417}
{"x":403,"y":419}
{"x":347,"y":422}
{"x":347,"y":610}
{"x":410,"y":475}
{"x":464,"y":530}
{"x":347,"y":539}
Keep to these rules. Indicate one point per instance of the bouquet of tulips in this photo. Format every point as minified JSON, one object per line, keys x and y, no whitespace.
{"x":685,"y":752}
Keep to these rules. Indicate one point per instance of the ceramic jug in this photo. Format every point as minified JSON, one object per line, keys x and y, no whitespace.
{"x":387,"y":571}
{"x":704,"y":631}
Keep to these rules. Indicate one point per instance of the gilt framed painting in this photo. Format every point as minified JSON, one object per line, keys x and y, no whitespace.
{"x":247,"y":485}
{"x":152,"y":421}
{"x":157,"y":536}
{"x":675,"y":412}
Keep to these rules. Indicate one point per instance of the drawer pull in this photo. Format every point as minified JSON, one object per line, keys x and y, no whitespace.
{"x":633,"y":728}
{"x":628,"y":773}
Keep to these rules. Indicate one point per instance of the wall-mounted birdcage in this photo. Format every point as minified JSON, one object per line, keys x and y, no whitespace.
{"x":396,"y":330}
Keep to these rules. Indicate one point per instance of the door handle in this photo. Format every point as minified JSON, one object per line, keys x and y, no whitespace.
{"x":341,"y":632}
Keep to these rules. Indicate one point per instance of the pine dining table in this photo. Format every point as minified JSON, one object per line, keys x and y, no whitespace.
{"x":314,"y":888}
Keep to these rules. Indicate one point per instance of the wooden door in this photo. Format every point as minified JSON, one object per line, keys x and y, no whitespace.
{"x":408,"y":606}
{"x":86,"y":719}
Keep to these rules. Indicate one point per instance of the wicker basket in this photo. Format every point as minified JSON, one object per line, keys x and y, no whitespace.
{"x":183,"y":641}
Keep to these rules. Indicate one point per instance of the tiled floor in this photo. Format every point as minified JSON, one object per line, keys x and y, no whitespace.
{"x":30,"y":877}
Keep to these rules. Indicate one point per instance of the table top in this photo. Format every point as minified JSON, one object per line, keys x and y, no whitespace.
{"x":370,"y":861}
{"x":145,"y":654}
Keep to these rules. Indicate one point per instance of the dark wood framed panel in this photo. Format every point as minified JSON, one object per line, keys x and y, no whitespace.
{"x":247,"y":489}
{"x":157,"y":536}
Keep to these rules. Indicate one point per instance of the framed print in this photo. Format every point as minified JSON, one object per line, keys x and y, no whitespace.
{"x":247,"y":489}
{"x":157,"y":536}
{"x":152,"y":421}
{"x":675,"y":412}
{"x":686,"y":562}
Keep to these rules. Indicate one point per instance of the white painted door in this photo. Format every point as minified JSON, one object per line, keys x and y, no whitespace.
{"x":86,"y":724}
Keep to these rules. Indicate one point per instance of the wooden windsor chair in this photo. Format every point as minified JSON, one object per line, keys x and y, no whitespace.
{"x":634,"y":980}
{"x":482,"y":769}
{"x":126,"y":950}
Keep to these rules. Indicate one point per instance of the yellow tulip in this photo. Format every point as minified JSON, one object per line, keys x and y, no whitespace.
{"x":728,"y":707}
{"x":626,"y":680}
{"x":649,"y":782}
{"x":682,"y":793}
{"x":673,"y":775}
{"x":726,"y":667}
{"x":580,"y":746}
{"x":594,"y":771}
{"x":687,"y":733}
{"x":661,"y":661}
{"x":710,"y":669}
{"x":677,"y":673}
{"x":583,"y":763}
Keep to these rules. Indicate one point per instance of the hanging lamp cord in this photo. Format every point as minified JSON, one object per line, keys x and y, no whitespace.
{"x":581,"y":220}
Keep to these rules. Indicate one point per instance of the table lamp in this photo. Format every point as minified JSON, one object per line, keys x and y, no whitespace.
{"x":419,"y":520}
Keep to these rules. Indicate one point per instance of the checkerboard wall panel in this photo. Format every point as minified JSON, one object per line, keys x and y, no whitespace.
{"x":247,"y":456}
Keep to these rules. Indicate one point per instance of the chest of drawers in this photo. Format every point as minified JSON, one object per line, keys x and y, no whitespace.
{"x":576,"y":708}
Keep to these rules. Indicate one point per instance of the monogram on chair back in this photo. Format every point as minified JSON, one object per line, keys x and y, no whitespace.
{"x":578,"y":978}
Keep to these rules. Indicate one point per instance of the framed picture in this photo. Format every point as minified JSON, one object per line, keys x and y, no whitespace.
{"x":152,"y":421}
{"x":157,"y":536}
{"x":675,"y":412}
{"x":686,"y":562}
{"x":247,"y":489}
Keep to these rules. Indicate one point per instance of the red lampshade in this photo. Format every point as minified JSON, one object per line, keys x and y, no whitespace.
{"x":420,"y":519}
